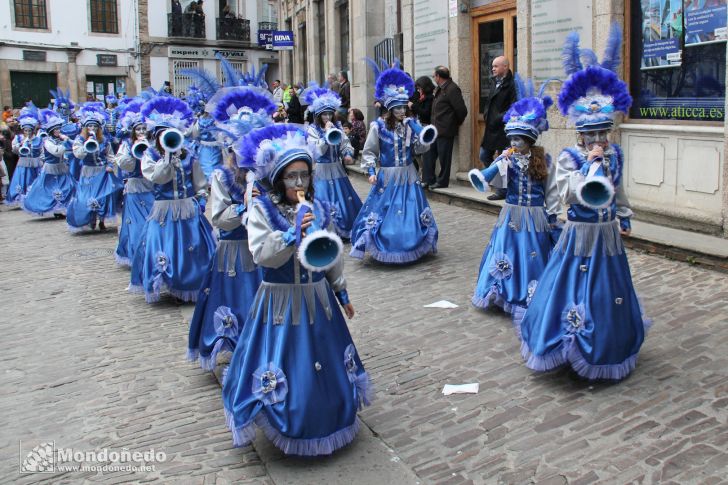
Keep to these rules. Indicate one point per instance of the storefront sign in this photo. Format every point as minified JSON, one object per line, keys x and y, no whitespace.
{"x":180,"y":52}
{"x":430,"y":36}
{"x":106,"y":60}
{"x":282,"y":40}
{"x":705,"y":24}
{"x":662,"y":30}
{"x":265,"y":38}
{"x":551,"y":22}
{"x":34,"y":56}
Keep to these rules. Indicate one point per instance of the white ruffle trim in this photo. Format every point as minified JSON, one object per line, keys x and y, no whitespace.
{"x":278,"y":297}
{"x":180,"y":208}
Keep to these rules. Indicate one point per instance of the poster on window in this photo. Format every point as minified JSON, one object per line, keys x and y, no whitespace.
{"x":661,"y":33}
{"x":705,"y":21}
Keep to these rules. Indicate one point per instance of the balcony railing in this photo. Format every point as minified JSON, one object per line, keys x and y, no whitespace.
{"x":267,"y":26}
{"x":231,"y":28}
{"x":186,"y":25}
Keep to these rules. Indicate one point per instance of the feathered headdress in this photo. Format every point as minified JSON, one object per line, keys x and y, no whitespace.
{"x":250,"y":78}
{"x":93,"y":112}
{"x":111,"y":99}
{"x":527,"y":116}
{"x":593,"y":94}
{"x":167,"y":112}
{"x":62,"y":101}
{"x":267,"y":151}
{"x":393,"y":86}
{"x":230,"y":102}
{"x":197,"y":99}
{"x":131,"y":116}
{"x":50,"y":120}
{"x":30,"y":110}
{"x":320,"y":99}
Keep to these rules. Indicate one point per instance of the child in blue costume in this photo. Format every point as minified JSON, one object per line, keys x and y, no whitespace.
{"x":396,"y":224}
{"x":520,"y":244}
{"x":29,"y":147}
{"x":138,"y":191}
{"x":230,"y":284}
{"x":329,"y":177}
{"x":51,"y":192}
{"x":584,"y":312}
{"x":64,"y":106}
{"x":208,"y":148}
{"x":177,"y":241}
{"x":295,"y":372}
{"x":98,"y":193}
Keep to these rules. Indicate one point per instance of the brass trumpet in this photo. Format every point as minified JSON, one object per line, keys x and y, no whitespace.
{"x":319,"y":249}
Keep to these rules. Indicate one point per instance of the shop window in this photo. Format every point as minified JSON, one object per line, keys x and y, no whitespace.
{"x":182,"y":83}
{"x":238,"y":66}
{"x":30,"y":14}
{"x":677,"y":59}
{"x":103,"y":17}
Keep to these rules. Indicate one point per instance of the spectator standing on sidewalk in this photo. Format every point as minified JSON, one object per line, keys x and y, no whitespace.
{"x":344,"y":93}
{"x":503,"y":96}
{"x":421,"y":106}
{"x":358,"y":130}
{"x":277,"y":92}
{"x":294,"y":110}
{"x":448,"y":113}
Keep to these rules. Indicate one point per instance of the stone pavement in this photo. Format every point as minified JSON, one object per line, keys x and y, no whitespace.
{"x":89,"y":366}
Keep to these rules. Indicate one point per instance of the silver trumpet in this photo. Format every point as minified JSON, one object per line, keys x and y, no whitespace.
{"x":595,"y":192}
{"x":319,"y":249}
{"x":91,"y":145}
{"x":426,"y":134}
{"x":333,"y":136}
{"x":42,"y":133}
{"x":139,"y":147}
{"x":171,"y":140}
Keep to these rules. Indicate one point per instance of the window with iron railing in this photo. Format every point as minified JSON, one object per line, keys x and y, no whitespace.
{"x":232,"y":28}
{"x":181,"y":83}
{"x":190,"y":25}
{"x":30,"y":14}
{"x":104,"y":17}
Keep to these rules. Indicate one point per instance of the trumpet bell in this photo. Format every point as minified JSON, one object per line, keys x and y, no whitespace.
{"x":595,"y":192}
{"x":320,"y":250}
{"x":333,"y":136}
{"x":24,"y":151}
{"x":477,"y":180}
{"x":172,"y":140}
{"x":91,"y":146}
{"x":426,"y":134}
{"x":138,"y":149}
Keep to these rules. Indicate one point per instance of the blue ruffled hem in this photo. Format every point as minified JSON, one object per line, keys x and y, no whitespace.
{"x":244,"y":435}
{"x":122,"y":260}
{"x":427,"y":246}
{"x":568,"y":353}
{"x":155,"y":296}
{"x":492,"y":298}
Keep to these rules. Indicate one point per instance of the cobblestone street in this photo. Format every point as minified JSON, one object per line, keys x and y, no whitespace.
{"x":90,"y":366}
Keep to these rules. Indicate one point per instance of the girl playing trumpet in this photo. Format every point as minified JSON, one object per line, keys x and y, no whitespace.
{"x":29,"y":148}
{"x":521,"y":241}
{"x":99,"y":188}
{"x":332,"y":147}
{"x":138,"y":191}
{"x":295,"y":372}
{"x":584,"y":312}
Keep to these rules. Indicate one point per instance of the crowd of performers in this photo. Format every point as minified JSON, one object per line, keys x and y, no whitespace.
{"x":268,"y":280}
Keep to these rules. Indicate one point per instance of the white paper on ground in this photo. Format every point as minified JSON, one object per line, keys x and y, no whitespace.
{"x":460,"y":388}
{"x":441,"y":304}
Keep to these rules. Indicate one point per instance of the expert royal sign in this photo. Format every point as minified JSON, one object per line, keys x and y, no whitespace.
{"x":180,"y":52}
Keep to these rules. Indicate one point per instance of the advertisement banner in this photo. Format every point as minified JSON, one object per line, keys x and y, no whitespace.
{"x":282,"y":40}
{"x":661,"y":33}
{"x":705,"y":21}
{"x":265,"y":38}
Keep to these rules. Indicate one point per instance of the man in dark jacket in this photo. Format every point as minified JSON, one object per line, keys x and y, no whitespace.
{"x":344,"y":94}
{"x":503,"y":95}
{"x":448,"y":113}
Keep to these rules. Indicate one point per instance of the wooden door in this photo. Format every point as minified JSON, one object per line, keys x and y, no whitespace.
{"x":493,"y":35}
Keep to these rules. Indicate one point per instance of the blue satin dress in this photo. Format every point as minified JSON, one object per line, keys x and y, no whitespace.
{"x":520,"y":244}
{"x":295,"y":372}
{"x":177,"y":241}
{"x":395,"y":224}
{"x":138,"y":201}
{"x":53,"y":189}
{"x":26,"y":170}
{"x":331,"y":184}
{"x":230,"y":283}
{"x":208,"y":149}
{"x":98,"y":192}
{"x":584,"y":312}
